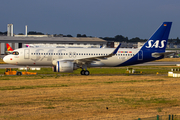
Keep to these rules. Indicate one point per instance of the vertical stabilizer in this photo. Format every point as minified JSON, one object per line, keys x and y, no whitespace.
{"x":154,"y":48}
{"x":8,"y":47}
{"x":158,"y":41}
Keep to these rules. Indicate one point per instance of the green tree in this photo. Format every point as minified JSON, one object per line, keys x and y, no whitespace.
{"x":35,"y":33}
{"x":78,"y":35}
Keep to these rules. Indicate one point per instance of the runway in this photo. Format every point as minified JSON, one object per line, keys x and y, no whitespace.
{"x":144,"y":64}
{"x":157,"y":63}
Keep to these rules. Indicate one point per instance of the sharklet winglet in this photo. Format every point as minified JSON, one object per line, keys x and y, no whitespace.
{"x":115,"y":51}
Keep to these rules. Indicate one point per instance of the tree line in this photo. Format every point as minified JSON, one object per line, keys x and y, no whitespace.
{"x":120,"y":38}
{"x":117,"y":38}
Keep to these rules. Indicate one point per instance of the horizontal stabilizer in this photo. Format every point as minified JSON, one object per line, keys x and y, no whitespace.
{"x":156,"y":55}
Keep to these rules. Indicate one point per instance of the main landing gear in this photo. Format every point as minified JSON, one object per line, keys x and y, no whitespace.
{"x":84,"y":72}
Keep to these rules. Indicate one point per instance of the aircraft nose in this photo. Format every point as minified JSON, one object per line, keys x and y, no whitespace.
{"x":6,"y":59}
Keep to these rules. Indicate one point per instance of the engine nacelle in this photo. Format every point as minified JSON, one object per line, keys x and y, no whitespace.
{"x":65,"y":66}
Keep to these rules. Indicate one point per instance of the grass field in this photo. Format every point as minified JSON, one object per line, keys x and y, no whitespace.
{"x":106,"y":96}
{"x":1,"y":61}
{"x":146,"y":70}
{"x":108,"y":93}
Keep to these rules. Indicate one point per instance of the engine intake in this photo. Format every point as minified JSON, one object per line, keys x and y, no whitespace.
{"x":65,"y":66}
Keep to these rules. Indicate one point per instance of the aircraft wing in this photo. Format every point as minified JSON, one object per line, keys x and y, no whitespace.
{"x":90,"y":59}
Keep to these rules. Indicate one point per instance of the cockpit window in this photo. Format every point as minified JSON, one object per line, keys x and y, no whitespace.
{"x":15,"y":53}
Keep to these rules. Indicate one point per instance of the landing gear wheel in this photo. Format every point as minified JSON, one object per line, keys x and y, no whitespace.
{"x":86,"y":72}
{"x":19,"y":73}
{"x":82,"y":72}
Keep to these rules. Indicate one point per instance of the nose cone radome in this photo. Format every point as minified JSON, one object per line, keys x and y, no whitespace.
{"x":6,"y":59}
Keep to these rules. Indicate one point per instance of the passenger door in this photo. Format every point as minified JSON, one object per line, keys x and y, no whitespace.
{"x":26,"y":54}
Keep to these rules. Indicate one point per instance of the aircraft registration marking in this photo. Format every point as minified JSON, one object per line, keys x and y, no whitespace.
{"x":122,"y":58}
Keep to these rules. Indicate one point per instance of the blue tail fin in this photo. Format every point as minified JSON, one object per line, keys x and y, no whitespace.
{"x":158,"y":41}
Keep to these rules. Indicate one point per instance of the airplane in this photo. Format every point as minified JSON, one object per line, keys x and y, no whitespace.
{"x":70,"y":59}
{"x":9,"y":49}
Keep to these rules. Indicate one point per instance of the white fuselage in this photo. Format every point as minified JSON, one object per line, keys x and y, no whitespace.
{"x":46,"y":56}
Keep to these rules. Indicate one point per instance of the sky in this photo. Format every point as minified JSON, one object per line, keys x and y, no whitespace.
{"x":97,"y":18}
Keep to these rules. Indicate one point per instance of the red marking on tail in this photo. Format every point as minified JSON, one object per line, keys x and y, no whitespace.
{"x":8,"y":47}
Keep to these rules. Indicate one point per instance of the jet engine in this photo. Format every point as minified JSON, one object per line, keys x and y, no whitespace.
{"x":65,"y":66}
